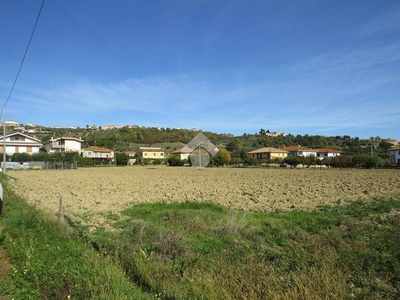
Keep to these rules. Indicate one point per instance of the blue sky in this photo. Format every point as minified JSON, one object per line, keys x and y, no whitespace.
{"x":229,"y":66}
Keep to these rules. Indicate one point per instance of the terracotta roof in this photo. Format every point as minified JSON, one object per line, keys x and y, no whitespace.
{"x":185,"y":149}
{"x":149,"y":149}
{"x":267,"y":150}
{"x":98,"y":149}
{"x":394,"y":149}
{"x":326,"y":150}
{"x":297,"y":148}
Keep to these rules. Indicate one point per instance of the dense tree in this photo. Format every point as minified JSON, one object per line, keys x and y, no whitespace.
{"x":122,"y":159}
{"x":385,"y":146}
{"x":250,"y":161}
{"x":235,"y":144}
{"x":222,"y":158}
{"x":20,"y":157}
{"x":292,"y":161}
{"x":173,"y":160}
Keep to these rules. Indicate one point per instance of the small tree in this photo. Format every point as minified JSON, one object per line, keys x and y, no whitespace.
{"x":292,"y":161}
{"x":222,"y":158}
{"x":173,"y":160}
{"x":250,"y":161}
{"x":122,"y":159}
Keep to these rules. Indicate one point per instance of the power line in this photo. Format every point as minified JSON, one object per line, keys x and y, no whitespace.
{"x":23,"y":58}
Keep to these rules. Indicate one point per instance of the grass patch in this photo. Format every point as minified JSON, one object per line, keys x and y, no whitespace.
{"x":200,"y":250}
{"x":50,"y":262}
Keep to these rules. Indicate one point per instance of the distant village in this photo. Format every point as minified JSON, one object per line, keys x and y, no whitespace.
{"x":32,"y":128}
{"x":22,"y":141}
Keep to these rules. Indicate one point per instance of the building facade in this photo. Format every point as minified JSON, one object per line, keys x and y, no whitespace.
{"x":20,"y":143}
{"x":149,"y":153}
{"x":63,"y":144}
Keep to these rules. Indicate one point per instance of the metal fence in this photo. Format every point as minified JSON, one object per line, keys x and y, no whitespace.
{"x":47,"y":165}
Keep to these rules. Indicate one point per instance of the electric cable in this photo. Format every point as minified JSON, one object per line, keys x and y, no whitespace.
{"x":23,"y":58}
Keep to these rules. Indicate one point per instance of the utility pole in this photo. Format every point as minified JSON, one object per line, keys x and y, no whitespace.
{"x":4,"y":143}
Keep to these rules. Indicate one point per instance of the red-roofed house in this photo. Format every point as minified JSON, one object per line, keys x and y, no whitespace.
{"x":183,"y":153}
{"x":268,"y":153}
{"x":98,"y":153}
{"x":326,"y":152}
{"x":300,"y":151}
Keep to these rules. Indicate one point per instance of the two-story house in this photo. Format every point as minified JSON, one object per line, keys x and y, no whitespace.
{"x":395,"y":156}
{"x":98,"y":153}
{"x":20,"y":143}
{"x":149,"y":153}
{"x":63,"y":144}
{"x":268,"y":153}
{"x":300,"y":151}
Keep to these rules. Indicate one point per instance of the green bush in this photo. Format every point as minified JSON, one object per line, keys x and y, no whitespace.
{"x":250,"y":161}
{"x":158,"y":161}
{"x":21,"y":157}
{"x":173,"y":160}
{"x":122,"y":159}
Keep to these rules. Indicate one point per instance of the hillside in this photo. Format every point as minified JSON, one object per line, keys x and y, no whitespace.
{"x":129,"y":139}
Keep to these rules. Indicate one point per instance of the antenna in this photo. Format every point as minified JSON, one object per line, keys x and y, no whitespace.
{"x":200,"y":158}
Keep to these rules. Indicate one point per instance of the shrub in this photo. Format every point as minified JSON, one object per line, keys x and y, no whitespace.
{"x":21,"y":157}
{"x":173,"y":160}
{"x":122,"y":159}
{"x":158,"y":161}
{"x":250,"y":161}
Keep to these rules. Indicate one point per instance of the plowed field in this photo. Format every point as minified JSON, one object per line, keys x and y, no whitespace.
{"x":95,"y":192}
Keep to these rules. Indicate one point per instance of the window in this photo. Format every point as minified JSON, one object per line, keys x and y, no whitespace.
{"x":154,"y":154}
{"x":145,"y":154}
{"x":162,"y":154}
{"x":16,"y":149}
{"x":29,"y":149}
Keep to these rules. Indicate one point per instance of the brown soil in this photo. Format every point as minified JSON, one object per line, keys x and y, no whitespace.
{"x":94,"y":192}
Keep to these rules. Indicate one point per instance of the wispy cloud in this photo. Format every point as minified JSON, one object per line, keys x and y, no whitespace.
{"x":381,"y":23}
{"x":324,"y":92}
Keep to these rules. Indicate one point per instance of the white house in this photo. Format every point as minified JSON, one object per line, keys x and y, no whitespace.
{"x":183,"y":153}
{"x":20,"y":143}
{"x":63,"y":144}
{"x":395,"y":156}
{"x":98,"y":153}
{"x":326,"y":152}
{"x":300,"y":151}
